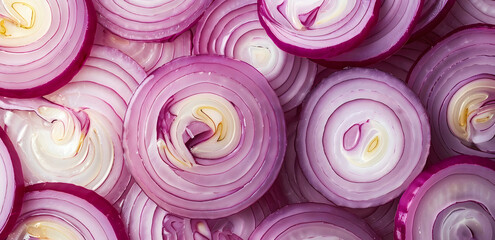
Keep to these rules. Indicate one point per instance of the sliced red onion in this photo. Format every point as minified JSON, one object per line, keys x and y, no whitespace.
{"x":362,"y":138}
{"x":143,"y":219}
{"x":466,"y":12}
{"x":312,"y":221}
{"x":232,"y":28}
{"x":318,"y":28}
{"x":455,"y":81}
{"x":156,"y":20}
{"x":150,"y":55}
{"x":204,"y":136}
{"x":11,"y":185}
{"x":66,"y":211}
{"x":74,"y":135}
{"x":434,"y":11}
{"x":394,"y":27}
{"x":43,"y":43}
{"x":450,"y":200}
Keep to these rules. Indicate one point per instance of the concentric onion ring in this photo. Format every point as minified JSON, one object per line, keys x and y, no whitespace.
{"x":204,"y":136}
{"x":43,"y":43}
{"x":11,"y":185}
{"x":312,"y":221}
{"x":317,"y":28}
{"x":66,"y":211}
{"x":455,"y":81}
{"x":156,"y":20}
{"x":232,"y":28}
{"x":363,"y":137}
{"x":451,"y":200}
{"x":74,"y":135}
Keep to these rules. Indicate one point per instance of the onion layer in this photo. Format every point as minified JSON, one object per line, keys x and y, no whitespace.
{"x":455,"y":81}
{"x":312,"y":221}
{"x":43,"y":43}
{"x":66,"y":211}
{"x":204,"y":136}
{"x":363,"y":137}
{"x":466,"y":12}
{"x":433,"y":12}
{"x":451,"y":200}
{"x":232,"y":28}
{"x":11,"y":185}
{"x":317,"y":28}
{"x":149,"y":20}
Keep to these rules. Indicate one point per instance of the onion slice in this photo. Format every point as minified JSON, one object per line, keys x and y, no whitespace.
{"x":11,"y":185}
{"x":392,"y":31}
{"x":362,"y":138}
{"x":66,"y":211}
{"x":455,"y":81}
{"x":232,"y":28}
{"x":204,"y":136}
{"x":317,"y":28}
{"x":450,"y":200}
{"x":312,"y":221}
{"x":43,"y":43}
{"x":157,"y":20}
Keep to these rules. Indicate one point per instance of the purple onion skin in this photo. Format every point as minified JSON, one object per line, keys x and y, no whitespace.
{"x":19,"y":186}
{"x":414,"y":192}
{"x":69,"y":72}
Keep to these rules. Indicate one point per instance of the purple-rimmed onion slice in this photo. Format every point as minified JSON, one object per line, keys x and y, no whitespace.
{"x":143,"y":219}
{"x":11,"y":185}
{"x":155,"y":20}
{"x":204,"y":136}
{"x":74,"y":135}
{"x":317,"y":28}
{"x":66,"y":211}
{"x":232,"y":28}
{"x":362,"y":138}
{"x":432,"y":14}
{"x":393,"y":29}
{"x":43,"y":43}
{"x":466,"y":12}
{"x":451,"y":200}
{"x":312,"y":221}
{"x":455,"y":81}
{"x":150,"y":55}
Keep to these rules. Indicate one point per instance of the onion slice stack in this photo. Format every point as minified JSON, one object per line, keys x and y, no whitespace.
{"x":204,"y":136}
{"x":11,"y":185}
{"x":157,"y":20}
{"x":66,"y":211}
{"x":455,"y":81}
{"x":393,"y":29}
{"x":232,"y":28}
{"x":43,"y":43}
{"x":317,"y":28}
{"x":450,"y":200}
{"x":312,"y":221}
{"x":362,"y":138}
{"x":74,"y":135}
{"x":143,"y":219}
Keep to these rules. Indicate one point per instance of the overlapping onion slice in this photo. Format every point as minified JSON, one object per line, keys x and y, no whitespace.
{"x":466,"y":12}
{"x":318,"y":28}
{"x":66,"y":211}
{"x":432,"y":14}
{"x":143,"y":219}
{"x":204,"y":136}
{"x":451,"y":200}
{"x":43,"y":43}
{"x":75,"y":134}
{"x":149,"y":20}
{"x":455,"y":81}
{"x":150,"y":55}
{"x":362,"y":138}
{"x":11,"y":185}
{"x":312,"y":221}
{"x":394,"y":27}
{"x":232,"y":28}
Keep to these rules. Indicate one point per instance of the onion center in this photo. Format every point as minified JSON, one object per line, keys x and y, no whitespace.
{"x":364,"y":143}
{"x":23,"y":22}
{"x":45,"y":229}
